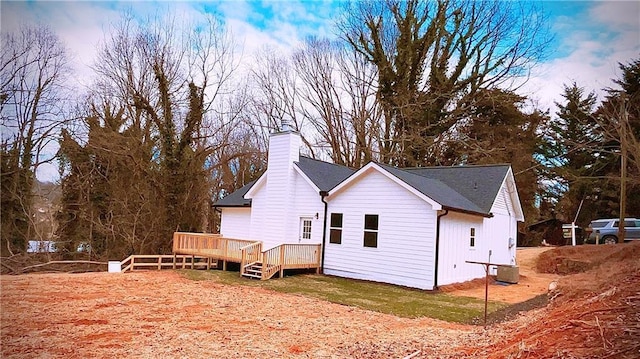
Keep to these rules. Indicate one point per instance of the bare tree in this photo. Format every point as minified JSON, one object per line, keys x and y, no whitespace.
{"x":327,"y":93}
{"x":432,"y":58}
{"x":33,"y":68}
{"x":337,"y":93}
{"x":163,"y":101}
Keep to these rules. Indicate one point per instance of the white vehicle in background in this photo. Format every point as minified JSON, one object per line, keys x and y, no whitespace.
{"x":606,"y":230}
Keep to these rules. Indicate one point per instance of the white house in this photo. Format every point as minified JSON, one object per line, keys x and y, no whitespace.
{"x":415,"y":227}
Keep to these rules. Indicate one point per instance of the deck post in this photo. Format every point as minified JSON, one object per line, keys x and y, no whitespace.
{"x":193,"y":259}
{"x":159,"y":262}
{"x":281,"y":260}
{"x":225,"y":253}
{"x":224,"y":265}
{"x":174,"y":258}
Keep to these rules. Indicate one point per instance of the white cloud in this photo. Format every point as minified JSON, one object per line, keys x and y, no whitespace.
{"x":596,"y":40}
{"x":620,"y":15}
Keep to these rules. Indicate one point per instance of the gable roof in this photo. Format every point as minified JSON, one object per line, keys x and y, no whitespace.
{"x":438,"y":190}
{"x":478,"y":184}
{"x":236,"y":198}
{"x":324,"y":175}
{"x":471,"y":189}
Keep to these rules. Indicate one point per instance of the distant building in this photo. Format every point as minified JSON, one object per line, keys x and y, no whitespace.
{"x":42,"y":247}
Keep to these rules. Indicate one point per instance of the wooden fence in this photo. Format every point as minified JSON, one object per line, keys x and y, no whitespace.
{"x":159,"y":261}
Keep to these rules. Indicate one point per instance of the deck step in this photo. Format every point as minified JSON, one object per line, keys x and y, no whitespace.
{"x":256,"y":276}
{"x":253,"y":270}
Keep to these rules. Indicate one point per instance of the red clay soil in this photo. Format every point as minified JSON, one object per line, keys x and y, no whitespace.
{"x":531,"y":284}
{"x":594,"y":314}
{"x":162,"y":315}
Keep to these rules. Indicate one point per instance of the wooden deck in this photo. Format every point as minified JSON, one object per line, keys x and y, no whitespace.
{"x":254,"y":262}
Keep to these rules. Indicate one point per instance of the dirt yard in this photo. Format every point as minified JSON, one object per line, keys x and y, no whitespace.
{"x":531,"y":282}
{"x":161,"y":314}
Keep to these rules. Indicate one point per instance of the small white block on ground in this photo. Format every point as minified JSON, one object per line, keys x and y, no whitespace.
{"x":114,"y":266}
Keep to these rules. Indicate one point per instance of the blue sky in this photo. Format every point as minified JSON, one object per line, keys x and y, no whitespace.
{"x":590,"y":37}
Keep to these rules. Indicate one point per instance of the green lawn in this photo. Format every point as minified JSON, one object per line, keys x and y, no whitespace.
{"x":384,"y":298}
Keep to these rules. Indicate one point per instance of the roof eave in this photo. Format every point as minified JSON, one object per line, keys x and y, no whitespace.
{"x":248,"y":205}
{"x":467,"y":211}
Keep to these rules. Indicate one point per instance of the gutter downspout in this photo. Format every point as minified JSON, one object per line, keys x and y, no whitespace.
{"x":435,"y":279}
{"x":323,"y":195}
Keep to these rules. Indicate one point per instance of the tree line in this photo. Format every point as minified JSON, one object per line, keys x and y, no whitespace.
{"x":173,"y":121}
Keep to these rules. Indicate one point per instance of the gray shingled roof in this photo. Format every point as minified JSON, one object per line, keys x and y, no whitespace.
{"x":436,"y":190}
{"x":323,"y":174}
{"x":236,"y":198}
{"x":479,"y":184}
{"x":466,"y":188}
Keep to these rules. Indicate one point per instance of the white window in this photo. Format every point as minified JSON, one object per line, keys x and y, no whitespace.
{"x":371,"y":230}
{"x":305,"y":228}
{"x":472,"y":238}
{"x":335,"y":229}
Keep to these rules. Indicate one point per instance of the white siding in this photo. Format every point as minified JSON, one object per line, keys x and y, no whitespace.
{"x":503,"y":226}
{"x":259,"y":210}
{"x":284,"y":149}
{"x":304,"y":202}
{"x":235,"y":223}
{"x":406,"y":232}
{"x":279,"y":203}
{"x":455,"y":249}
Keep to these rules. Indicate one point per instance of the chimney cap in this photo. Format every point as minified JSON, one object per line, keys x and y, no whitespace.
{"x":285,"y":126}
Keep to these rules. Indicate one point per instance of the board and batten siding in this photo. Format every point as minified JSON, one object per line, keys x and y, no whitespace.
{"x":455,"y":248}
{"x":406,"y":232}
{"x":235,"y":222}
{"x":503,"y":226}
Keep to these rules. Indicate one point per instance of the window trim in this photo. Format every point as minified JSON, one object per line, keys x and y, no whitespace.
{"x":336,"y":228}
{"x":472,"y":238}
{"x":371,"y":230}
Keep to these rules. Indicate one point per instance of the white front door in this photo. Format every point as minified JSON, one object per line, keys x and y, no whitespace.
{"x":305,"y":229}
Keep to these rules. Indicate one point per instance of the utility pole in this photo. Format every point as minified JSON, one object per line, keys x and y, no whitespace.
{"x":623,"y":167}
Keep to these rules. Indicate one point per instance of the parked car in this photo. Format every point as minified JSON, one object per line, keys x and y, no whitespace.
{"x":606,"y":230}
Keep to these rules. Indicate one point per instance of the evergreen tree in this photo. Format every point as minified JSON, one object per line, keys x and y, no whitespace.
{"x":573,"y":155}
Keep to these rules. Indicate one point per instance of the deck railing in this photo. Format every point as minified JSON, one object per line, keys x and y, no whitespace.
{"x":247,"y":252}
{"x":290,"y":256}
{"x":301,"y":256}
{"x":210,"y":245}
{"x":272,"y":261}
{"x":251,"y":253}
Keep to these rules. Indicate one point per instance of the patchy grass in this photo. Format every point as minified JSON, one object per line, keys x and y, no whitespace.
{"x":379,"y":297}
